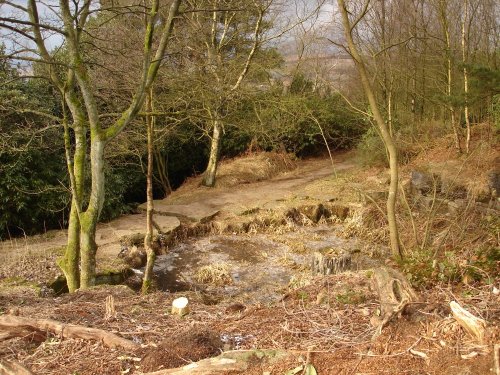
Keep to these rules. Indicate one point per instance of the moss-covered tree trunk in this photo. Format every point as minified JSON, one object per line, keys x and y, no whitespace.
{"x":89,"y":219}
{"x":70,"y":261}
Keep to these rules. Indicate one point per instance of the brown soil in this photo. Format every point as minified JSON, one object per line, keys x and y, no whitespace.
{"x":183,"y":348}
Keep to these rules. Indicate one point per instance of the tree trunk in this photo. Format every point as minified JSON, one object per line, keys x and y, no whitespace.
{"x":443,"y":15}
{"x":88,"y":221}
{"x":148,"y":239}
{"x":384,"y":131}
{"x":466,"y":80}
{"x":70,"y":262}
{"x":213,"y":161}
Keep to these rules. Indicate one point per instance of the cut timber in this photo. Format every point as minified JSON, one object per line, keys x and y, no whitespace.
{"x":16,"y":323}
{"x":330,"y":261}
{"x":394,"y":292}
{"x":234,"y":362}
{"x":472,"y":324}
{"x":180,"y":306}
{"x":13,"y":368}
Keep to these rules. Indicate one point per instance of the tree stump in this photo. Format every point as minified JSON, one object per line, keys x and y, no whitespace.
{"x":330,"y":261}
{"x":394,"y":291}
{"x":180,"y":306}
{"x":110,"y":308}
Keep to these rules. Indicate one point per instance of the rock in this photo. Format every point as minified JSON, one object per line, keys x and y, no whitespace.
{"x":494,"y":184}
{"x":134,"y":256}
{"x":424,"y":183}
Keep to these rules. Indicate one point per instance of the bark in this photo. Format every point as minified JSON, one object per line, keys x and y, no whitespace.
{"x":213,"y":161}
{"x":384,"y":131}
{"x":13,"y":323}
{"x":394,"y":293}
{"x":466,"y":78}
{"x":443,"y":10}
{"x":148,"y":239}
{"x":82,"y":228}
{"x":69,"y":263}
{"x":88,"y":220}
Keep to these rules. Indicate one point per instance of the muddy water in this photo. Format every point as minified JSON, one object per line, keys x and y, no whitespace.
{"x":261,"y":265}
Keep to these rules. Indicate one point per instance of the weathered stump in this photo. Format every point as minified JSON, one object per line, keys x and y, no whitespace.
{"x":330,"y":261}
{"x":180,"y":306}
{"x":394,"y":291}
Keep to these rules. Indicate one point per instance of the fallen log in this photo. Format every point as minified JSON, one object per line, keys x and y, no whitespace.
{"x":394,"y":291}
{"x":234,"y":361}
{"x":12,"y":323}
{"x":13,"y":368}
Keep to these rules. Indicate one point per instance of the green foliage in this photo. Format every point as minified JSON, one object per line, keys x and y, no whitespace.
{"x":296,"y":122}
{"x":371,"y":150}
{"x":423,"y":270}
{"x":31,"y":196}
{"x":32,"y":166}
{"x":125,"y":189}
{"x":351,"y":297}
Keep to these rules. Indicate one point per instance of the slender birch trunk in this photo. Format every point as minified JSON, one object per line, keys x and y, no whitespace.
{"x":466,"y":78}
{"x":148,"y":239}
{"x":213,"y":161}
{"x":382,"y":126}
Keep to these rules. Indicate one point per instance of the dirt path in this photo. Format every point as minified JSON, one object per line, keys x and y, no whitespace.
{"x":264,"y":194}
{"x":196,"y":206}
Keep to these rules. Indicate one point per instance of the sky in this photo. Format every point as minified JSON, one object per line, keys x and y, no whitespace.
{"x":294,"y":9}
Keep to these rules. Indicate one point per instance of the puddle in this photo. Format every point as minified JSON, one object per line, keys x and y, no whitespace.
{"x":260,"y":267}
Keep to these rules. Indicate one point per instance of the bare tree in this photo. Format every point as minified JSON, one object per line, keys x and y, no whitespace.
{"x":349,"y":25}
{"x":84,"y":131}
